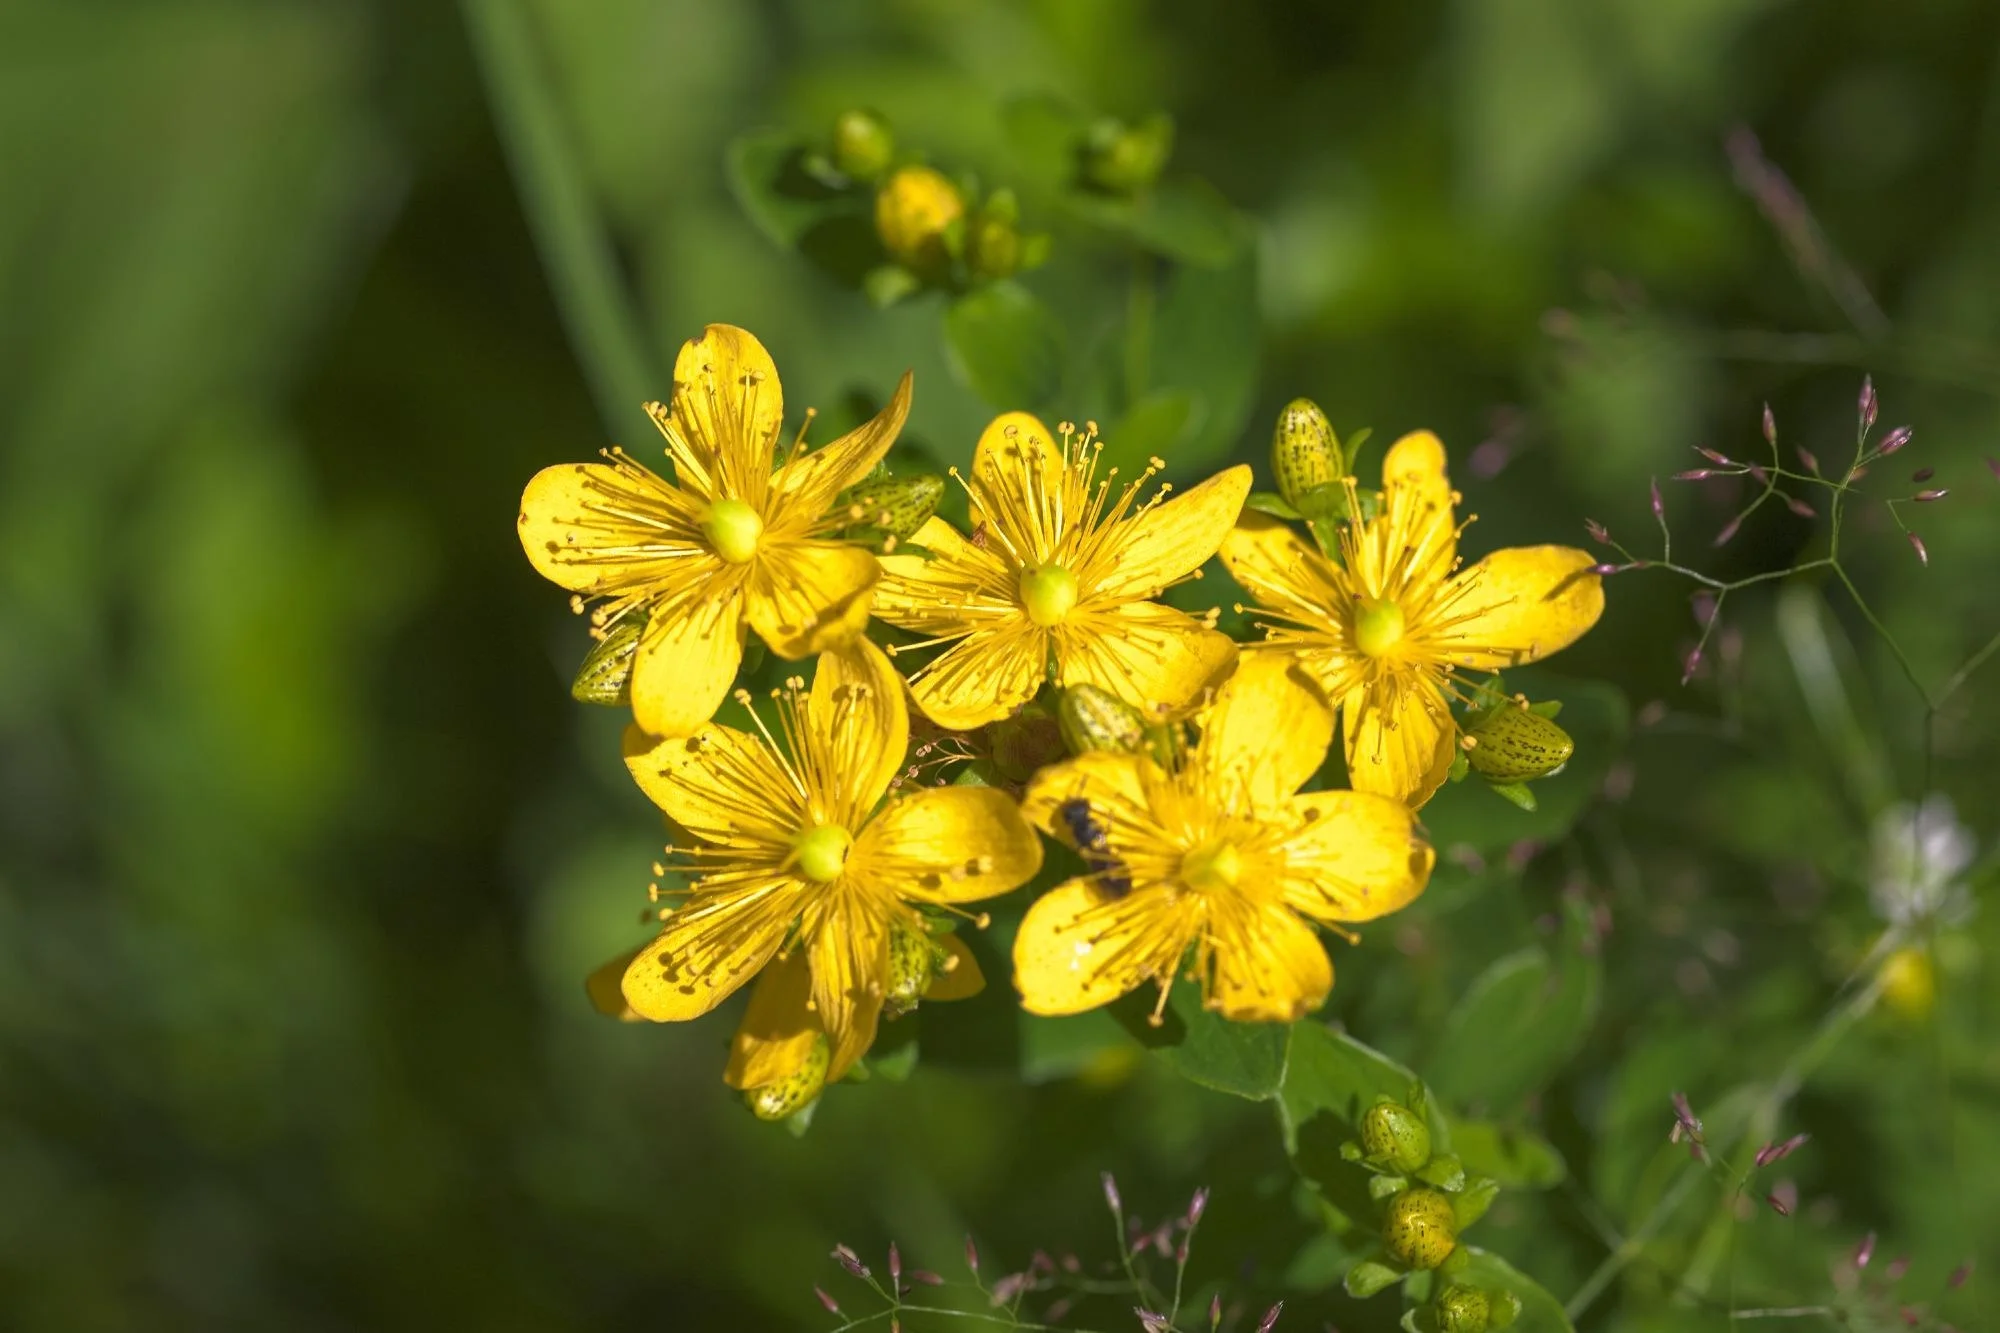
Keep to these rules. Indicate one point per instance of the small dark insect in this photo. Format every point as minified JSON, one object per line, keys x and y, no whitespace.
{"x":979,"y":534}
{"x":1089,"y":837}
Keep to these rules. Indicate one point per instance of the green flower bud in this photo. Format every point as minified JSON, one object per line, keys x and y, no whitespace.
{"x":914,"y":208}
{"x":1025,"y":743}
{"x":914,"y":962}
{"x":1419,"y":1230}
{"x":993,"y":247}
{"x":863,"y":144}
{"x":890,"y":507}
{"x":1125,"y":159}
{"x":606,"y":674}
{"x":1304,"y":453}
{"x":1513,"y":744}
{"x":1395,"y":1136}
{"x":796,"y":1090}
{"x":1095,"y":719}
{"x":1462,"y":1310}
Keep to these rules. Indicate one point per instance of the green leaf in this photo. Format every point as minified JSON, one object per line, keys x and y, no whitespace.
{"x":1541,"y":1312}
{"x":1468,"y":816}
{"x":1154,"y":424}
{"x":1514,"y":1157}
{"x":1519,"y":1023}
{"x":1005,"y":345}
{"x":767,"y":174}
{"x":1243,"y":1059}
{"x":1272,"y":503}
{"x":1329,"y":1080}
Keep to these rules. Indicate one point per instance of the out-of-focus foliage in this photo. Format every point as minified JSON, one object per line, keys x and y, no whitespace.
{"x":304,"y":849}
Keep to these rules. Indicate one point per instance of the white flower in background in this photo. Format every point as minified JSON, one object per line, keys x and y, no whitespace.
{"x":1919,"y":854}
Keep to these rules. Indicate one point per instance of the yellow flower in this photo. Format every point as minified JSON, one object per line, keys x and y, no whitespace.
{"x":1386,"y":630}
{"x":1058,"y":571}
{"x":1219,"y":856}
{"x":793,"y":858}
{"x":731,"y":540}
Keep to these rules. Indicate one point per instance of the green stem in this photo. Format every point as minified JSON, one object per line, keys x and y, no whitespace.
{"x":603,"y":328}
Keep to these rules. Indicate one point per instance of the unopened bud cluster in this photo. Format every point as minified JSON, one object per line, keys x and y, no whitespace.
{"x":1426,"y":1200}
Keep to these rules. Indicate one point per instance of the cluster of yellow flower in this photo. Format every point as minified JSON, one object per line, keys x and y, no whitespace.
{"x":813,"y":866}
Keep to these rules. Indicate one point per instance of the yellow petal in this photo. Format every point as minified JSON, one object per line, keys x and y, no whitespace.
{"x":850,"y":963}
{"x":1520,"y":605}
{"x":1169,"y":541}
{"x":709,"y":948}
{"x":961,"y":978}
{"x":947,"y":845}
{"x":728,"y":408}
{"x":605,"y":987}
{"x":1021,"y":435}
{"x":1356,"y":856}
{"x":1419,"y":534}
{"x":686,"y":662}
{"x":806,"y":596}
{"x":778,"y":1030}
{"x":859,"y":727}
{"x":592,"y":528}
{"x":1279,"y":568}
{"x":1266,"y":733}
{"x":983,"y":677}
{"x":721,"y":785}
{"x":1114,"y":785}
{"x":1265,"y":965}
{"x":1400,"y":737}
{"x":956,"y":587}
{"x":1079,"y":948}
{"x":804,"y":487}
{"x":1151,"y":656}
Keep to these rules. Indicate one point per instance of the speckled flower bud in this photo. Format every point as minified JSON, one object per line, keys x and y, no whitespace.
{"x":1304,"y":453}
{"x":1395,"y":1135}
{"x":797,"y":1090}
{"x":1512,"y":744}
{"x":1462,"y":1310}
{"x":606,"y":674}
{"x":1125,"y":159}
{"x":914,"y":962}
{"x":1095,"y":719}
{"x":891,"y":506}
{"x":1420,"y":1231}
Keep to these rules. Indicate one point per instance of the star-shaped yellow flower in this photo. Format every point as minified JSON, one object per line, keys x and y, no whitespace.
{"x":1220,"y":857}
{"x":1385,"y":630}
{"x":730,"y":540}
{"x":1059,"y":572}
{"x":793,"y":856}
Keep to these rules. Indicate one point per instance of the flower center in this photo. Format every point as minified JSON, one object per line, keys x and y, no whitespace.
{"x":821,"y":851}
{"x":1048,"y":592}
{"x":1378,"y":625}
{"x":733,"y":529}
{"x":1212,"y":867}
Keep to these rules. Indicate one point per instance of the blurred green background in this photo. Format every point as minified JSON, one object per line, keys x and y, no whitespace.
{"x":304,"y":849}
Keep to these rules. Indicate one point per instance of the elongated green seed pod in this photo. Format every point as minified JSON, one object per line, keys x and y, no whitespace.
{"x":1511,"y":744}
{"x":1092,"y":718}
{"x":1304,"y":453}
{"x":606,"y":674}
{"x":890,"y":506}
{"x":796,"y":1090}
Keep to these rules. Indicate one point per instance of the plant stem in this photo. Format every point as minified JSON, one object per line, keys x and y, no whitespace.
{"x":603,"y":328}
